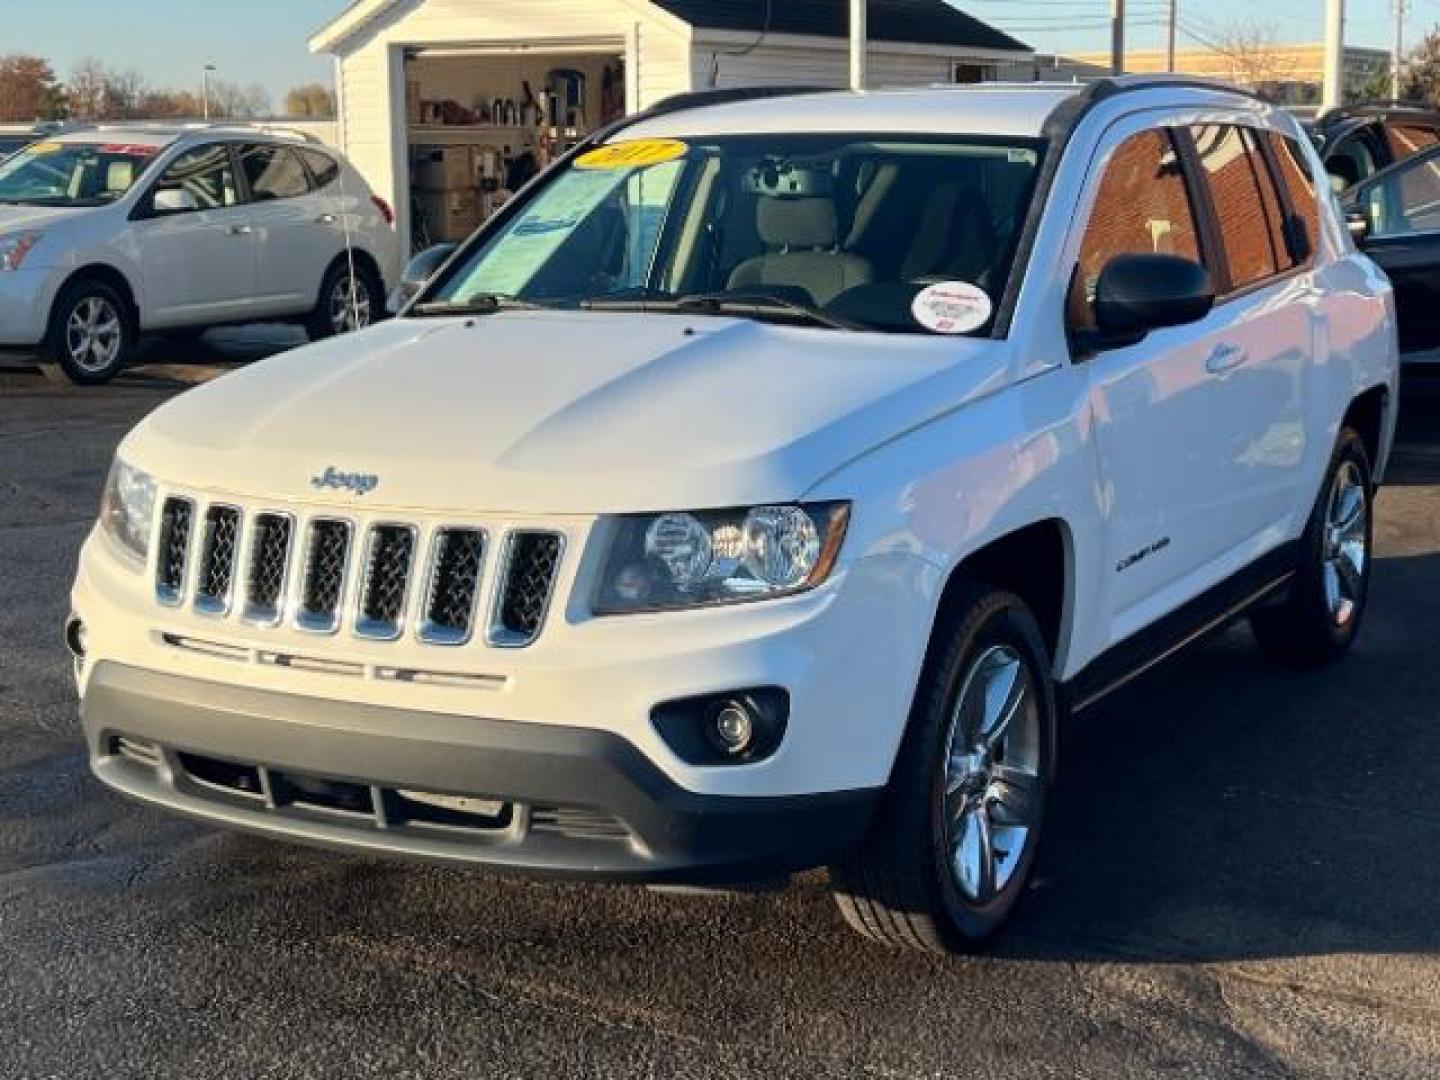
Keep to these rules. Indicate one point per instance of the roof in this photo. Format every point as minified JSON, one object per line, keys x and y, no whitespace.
{"x":163,"y":134}
{"x":1014,"y":110}
{"x":923,"y":22}
{"x":919,"y":22}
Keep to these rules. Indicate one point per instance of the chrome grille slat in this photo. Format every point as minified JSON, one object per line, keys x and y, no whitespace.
{"x":389,"y":555}
{"x":456,"y":559}
{"x":219,"y":552}
{"x":268,"y":573}
{"x":176,"y":521}
{"x":322,"y":582}
{"x":372,"y":577}
{"x":532,"y":562}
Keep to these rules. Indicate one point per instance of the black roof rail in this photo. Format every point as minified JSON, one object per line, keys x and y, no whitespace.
{"x":1367,"y":109}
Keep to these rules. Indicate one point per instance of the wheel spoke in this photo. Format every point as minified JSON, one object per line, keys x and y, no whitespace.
{"x":1348,"y":571}
{"x":1350,"y":509}
{"x":975,"y":855}
{"x":1004,"y":696}
{"x":1016,"y":797}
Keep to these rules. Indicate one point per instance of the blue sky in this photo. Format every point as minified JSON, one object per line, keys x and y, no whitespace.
{"x":264,"y":40}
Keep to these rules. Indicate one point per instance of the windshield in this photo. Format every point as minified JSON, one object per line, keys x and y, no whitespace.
{"x":72,"y":174}
{"x":850,"y":231}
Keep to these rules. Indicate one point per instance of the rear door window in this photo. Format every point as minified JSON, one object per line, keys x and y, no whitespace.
{"x":1246,"y":208}
{"x":1407,"y":140}
{"x":273,"y":172}
{"x":1293,"y":168}
{"x":1142,"y":207}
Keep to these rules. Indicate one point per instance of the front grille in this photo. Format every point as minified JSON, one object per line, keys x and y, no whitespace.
{"x":529,"y":579}
{"x":218,"y":553}
{"x":174,"y":549}
{"x":388,"y":558}
{"x":324,"y":578}
{"x":454,"y":586}
{"x":269,"y":567}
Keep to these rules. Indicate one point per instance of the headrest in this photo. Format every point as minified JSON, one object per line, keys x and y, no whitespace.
{"x":119,"y":175}
{"x":797,"y":223}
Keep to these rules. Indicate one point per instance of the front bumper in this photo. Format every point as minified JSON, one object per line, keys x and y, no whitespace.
{"x":569,"y":801}
{"x":25,"y":298}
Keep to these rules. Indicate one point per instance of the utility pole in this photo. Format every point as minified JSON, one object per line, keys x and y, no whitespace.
{"x":859,"y":43}
{"x":1398,"y":56}
{"x":205,"y":89}
{"x":1170,"y":35}
{"x":1117,"y":37}
{"x":1333,"y":94}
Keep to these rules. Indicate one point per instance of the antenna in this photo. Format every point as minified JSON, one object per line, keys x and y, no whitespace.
{"x":354,"y":297}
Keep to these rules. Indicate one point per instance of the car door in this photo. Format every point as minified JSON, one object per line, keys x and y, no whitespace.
{"x":195,"y":242}
{"x":296,"y":230}
{"x":1401,"y":210}
{"x":1174,"y":433}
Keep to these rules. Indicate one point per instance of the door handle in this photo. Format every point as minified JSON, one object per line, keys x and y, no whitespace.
{"x":1225,"y":358}
{"x":240,"y":230}
{"x":326,"y":219}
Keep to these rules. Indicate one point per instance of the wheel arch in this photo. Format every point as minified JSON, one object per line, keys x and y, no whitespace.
{"x":1369,"y":414}
{"x":110,"y":275}
{"x":363,"y":261}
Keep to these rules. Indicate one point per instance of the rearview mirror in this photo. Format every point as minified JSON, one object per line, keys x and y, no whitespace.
{"x":418,"y":271}
{"x":174,"y":201}
{"x":1140,"y":293}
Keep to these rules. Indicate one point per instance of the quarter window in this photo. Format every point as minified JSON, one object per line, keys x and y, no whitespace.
{"x":1246,"y":207}
{"x":273,"y":172}
{"x":323,"y":167}
{"x":1142,"y":207}
{"x":206,"y":174}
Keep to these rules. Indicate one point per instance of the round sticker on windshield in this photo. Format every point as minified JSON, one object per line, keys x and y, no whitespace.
{"x":952,"y":307}
{"x":635,"y":154}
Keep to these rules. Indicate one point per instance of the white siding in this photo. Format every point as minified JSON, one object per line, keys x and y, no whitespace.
{"x":822,"y":64}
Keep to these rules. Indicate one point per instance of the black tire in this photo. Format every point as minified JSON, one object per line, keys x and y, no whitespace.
{"x":901,"y":887}
{"x":1308,"y":628}
{"x":325,"y":321}
{"x":91,"y":335}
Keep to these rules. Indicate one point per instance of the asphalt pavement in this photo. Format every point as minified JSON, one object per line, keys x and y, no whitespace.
{"x":1242,"y":878}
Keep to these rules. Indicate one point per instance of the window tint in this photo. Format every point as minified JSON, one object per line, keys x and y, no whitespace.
{"x":1407,"y":140}
{"x":1406,"y":200}
{"x":206,"y":173}
{"x":1245,"y":204}
{"x":1298,"y":182}
{"x":1142,"y":207}
{"x":1350,"y":162}
{"x":273,"y":172}
{"x":322,"y":166}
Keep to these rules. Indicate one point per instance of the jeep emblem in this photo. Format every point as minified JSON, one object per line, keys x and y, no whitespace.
{"x":355,"y":483}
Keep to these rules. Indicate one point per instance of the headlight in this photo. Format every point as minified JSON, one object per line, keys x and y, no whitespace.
{"x":659,"y":562}
{"x":128,"y":508}
{"x":15,"y":247}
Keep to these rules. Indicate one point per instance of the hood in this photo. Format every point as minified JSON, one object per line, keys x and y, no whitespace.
{"x":558,"y":413}
{"x":24,"y":218}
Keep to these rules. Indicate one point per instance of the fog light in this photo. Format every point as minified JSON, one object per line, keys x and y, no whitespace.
{"x":733,"y":728}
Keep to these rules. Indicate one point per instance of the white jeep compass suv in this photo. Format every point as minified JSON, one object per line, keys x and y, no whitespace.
{"x":762,"y":490}
{"x":108,"y":233}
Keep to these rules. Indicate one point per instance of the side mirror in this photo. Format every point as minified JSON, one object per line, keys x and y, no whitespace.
{"x":1140,"y":293}
{"x":418,"y":271}
{"x":174,"y":201}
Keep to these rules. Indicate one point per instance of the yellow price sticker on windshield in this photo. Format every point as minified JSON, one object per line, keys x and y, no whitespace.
{"x":46,"y":148}
{"x":636,"y":154}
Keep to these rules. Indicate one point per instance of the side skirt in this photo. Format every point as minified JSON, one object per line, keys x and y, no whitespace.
{"x":1263,"y":580}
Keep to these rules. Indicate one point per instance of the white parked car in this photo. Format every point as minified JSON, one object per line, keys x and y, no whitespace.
{"x":108,"y":233}
{"x":761,"y":490}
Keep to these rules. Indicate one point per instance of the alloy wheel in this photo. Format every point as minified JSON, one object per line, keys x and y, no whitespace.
{"x":94,"y":334}
{"x":350,"y":304}
{"x":993,"y":794}
{"x":1345,"y":556}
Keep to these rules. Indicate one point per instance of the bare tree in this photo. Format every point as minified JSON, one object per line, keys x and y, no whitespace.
{"x":86,"y":89}
{"x":231,"y":101}
{"x":310,"y":102}
{"x":1420,"y":74}
{"x":1255,"y":56}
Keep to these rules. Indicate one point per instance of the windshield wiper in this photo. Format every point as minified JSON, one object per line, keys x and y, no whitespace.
{"x":761,"y":304}
{"x":482,"y":304}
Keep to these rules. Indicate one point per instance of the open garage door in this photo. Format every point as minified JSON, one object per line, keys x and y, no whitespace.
{"x":482,"y":119}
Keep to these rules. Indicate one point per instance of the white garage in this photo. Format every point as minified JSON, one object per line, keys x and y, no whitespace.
{"x":444,"y":104}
